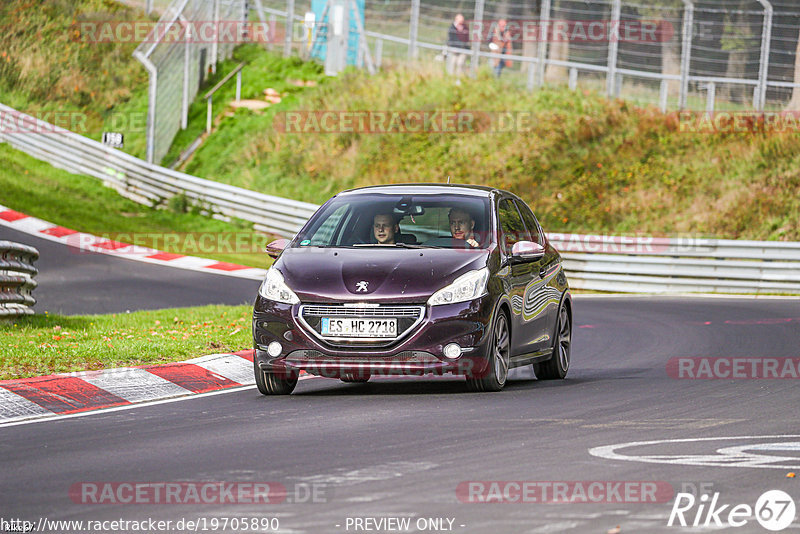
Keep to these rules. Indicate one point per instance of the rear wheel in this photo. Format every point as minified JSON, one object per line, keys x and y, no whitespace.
{"x":497,"y":371}
{"x":556,"y":367}
{"x":273,"y":383}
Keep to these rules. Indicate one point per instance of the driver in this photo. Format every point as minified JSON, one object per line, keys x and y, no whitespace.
{"x":462,"y":226}
{"x":384,"y":227}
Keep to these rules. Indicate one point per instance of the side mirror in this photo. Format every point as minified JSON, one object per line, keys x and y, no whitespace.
{"x":275,"y":248}
{"x":527,"y":251}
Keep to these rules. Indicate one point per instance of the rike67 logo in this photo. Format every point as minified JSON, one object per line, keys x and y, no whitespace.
{"x":774,"y":510}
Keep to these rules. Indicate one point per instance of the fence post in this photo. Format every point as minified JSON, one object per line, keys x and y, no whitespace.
{"x":152,"y":95}
{"x":686,"y":51}
{"x":763,"y":67}
{"x":544,"y":39}
{"x":711,"y":96}
{"x":413,"y":30}
{"x":476,"y":43}
{"x":209,"y":113}
{"x":378,"y":52}
{"x":613,"y":50}
{"x":273,"y":25}
{"x":148,"y":7}
{"x":663,"y":96}
{"x":215,"y":44}
{"x":187,"y":54}
{"x":532,"y":67}
{"x":287,"y":42}
{"x":573,"y":78}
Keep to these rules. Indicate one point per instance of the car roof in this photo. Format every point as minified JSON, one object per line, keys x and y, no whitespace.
{"x":424,"y":189}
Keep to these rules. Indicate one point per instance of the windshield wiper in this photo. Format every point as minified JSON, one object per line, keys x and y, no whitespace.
{"x":394,"y":245}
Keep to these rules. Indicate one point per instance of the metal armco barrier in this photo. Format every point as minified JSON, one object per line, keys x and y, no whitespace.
{"x":601,"y":263}
{"x":147,"y":183}
{"x":16,"y":278}
{"x":679,"y":265}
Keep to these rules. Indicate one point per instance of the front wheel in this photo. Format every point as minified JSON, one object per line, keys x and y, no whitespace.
{"x":557,"y":366}
{"x":497,"y":372}
{"x":273,"y":383}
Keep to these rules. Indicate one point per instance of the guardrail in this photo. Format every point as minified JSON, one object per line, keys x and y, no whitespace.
{"x":602,"y":263}
{"x":16,"y":278}
{"x":679,"y":265}
{"x":147,"y":183}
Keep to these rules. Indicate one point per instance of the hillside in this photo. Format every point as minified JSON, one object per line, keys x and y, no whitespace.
{"x":584,"y":163}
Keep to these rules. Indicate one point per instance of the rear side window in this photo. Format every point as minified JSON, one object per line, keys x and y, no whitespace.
{"x":531,"y":224}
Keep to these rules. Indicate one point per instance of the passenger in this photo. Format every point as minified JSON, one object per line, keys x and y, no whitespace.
{"x":462,"y":226}
{"x":384,"y":226}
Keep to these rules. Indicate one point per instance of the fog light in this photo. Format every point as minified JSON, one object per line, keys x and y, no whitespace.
{"x":452,"y":351}
{"x":274,"y":349}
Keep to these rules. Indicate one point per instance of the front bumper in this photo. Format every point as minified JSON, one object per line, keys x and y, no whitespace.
{"x":418,"y":352}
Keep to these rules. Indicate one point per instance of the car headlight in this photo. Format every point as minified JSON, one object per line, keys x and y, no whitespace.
{"x":274,"y":288}
{"x":466,"y":287}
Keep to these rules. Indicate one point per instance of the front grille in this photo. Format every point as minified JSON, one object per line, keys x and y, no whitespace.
{"x":407,"y":318}
{"x":362,"y":311}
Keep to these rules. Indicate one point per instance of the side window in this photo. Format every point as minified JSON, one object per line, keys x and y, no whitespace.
{"x":511,"y":225}
{"x":530,"y":222}
{"x":325,"y":233}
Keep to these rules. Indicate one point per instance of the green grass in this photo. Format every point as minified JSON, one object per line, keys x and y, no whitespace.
{"x":46,"y":344}
{"x":263,"y":70}
{"x":46,"y":65}
{"x":83,"y":203}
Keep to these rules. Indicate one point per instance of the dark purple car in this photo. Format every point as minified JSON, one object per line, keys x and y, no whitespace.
{"x":414,"y":279}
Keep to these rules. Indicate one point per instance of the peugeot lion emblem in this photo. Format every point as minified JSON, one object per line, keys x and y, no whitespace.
{"x":362,"y":286}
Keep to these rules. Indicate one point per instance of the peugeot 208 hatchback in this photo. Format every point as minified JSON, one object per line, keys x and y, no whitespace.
{"x":414,"y":279}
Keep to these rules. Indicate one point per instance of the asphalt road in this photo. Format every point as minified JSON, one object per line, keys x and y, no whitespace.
{"x":398,"y":448}
{"x":71,"y":282}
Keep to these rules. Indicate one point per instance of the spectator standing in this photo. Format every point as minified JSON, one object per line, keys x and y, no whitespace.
{"x":457,"y":38}
{"x":500,"y":43}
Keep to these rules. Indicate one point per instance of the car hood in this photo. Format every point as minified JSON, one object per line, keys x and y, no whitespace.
{"x":398,"y":275}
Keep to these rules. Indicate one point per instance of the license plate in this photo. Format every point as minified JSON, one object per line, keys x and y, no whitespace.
{"x":356,"y":327}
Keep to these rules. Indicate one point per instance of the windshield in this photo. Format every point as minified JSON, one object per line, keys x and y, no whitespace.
{"x":385,"y":220}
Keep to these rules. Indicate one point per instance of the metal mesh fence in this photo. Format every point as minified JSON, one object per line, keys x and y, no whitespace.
{"x":695,"y":54}
{"x":634,"y":49}
{"x":178,"y":57}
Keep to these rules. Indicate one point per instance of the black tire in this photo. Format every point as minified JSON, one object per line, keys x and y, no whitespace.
{"x":498,"y":354}
{"x":557,"y":366}
{"x":352,"y":378}
{"x":273,"y":383}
